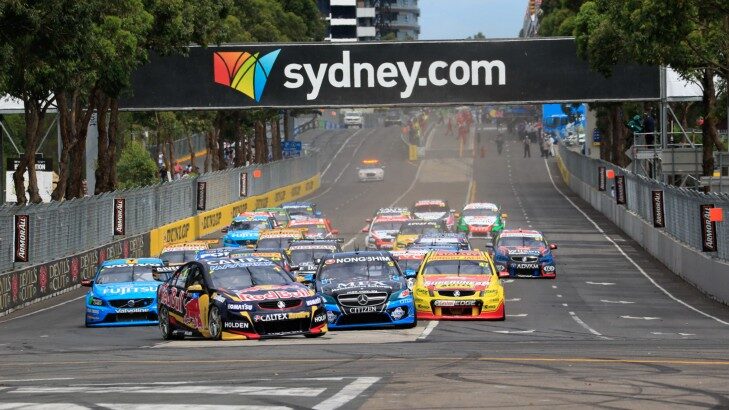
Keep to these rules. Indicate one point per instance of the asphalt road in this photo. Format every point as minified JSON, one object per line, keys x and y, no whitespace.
{"x":614,"y":330}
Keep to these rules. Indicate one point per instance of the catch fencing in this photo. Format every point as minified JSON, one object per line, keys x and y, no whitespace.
{"x":58,"y":229}
{"x":682,"y":206}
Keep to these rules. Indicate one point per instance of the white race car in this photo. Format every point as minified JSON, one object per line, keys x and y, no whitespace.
{"x":371,"y":170}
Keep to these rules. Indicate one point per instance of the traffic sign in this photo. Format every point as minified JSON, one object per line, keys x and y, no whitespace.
{"x":291,"y":148}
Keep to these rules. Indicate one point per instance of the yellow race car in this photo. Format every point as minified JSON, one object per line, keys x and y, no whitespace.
{"x":458,"y":285}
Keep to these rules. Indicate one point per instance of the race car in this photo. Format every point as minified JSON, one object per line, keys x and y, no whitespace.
{"x":305,"y":254}
{"x":441,"y":241}
{"x":175,"y":255}
{"x":215,"y":253}
{"x":278,"y":238}
{"x":481,"y":219}
{"x":382,"y":231}
{"x":364,"y":289}
{"x":280,"y":214}
{"x":413,"y":229}
{"x":245,"y":229}
{"x":370,"y":170}
{"x":409,"y":262}
{"x":301,"y":210}
{"x":391,"y":212}
{"x":320,"y":228}
{"x":277,"y":256}
{"x":236,"y":299}
{"x":524,"y":253}
{"x":123,"y":293}
{"x":435,"y":210}
{"x":461,"y":285}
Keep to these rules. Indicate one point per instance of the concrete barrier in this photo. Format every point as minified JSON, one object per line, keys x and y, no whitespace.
{"x":708,"y":274}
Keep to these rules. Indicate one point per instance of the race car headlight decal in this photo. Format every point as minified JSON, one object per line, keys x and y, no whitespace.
{"x":423,"y":291}
{"x":96,"y":301}
{"x":500,"y":268}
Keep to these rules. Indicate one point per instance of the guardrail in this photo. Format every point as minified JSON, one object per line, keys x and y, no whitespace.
{"x":63,"y":228}
{"x":685,"y":240}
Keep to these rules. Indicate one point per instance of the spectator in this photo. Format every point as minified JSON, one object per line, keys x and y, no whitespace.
{"x":527,"y":147}
{"x":177,"y":171}
{"x":545,"y":147}
{"x":550,"y":146}
{"x":163,"y":174}
{"x":649,"y":127}
{"x":160,"y":160}
{"x":499,"y":142}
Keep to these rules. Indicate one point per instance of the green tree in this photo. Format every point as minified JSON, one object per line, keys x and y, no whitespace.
{"x":136,"y":168}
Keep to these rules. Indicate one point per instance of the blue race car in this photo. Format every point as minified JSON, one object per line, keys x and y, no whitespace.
{"x":364,"y":290}
{"x":123,"y":293}
{"x":245,"y":229}
{"x":301,"y":210}
{"x":524,"y":253}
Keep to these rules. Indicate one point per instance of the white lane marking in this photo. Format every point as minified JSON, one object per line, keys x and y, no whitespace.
{"x":621,"y":302}
{"x":431,"y":325}
{"x":340,"y":174}
{"x":507,"y":280}
{"x":559,"y":296}
{"x":669,"y":333}
{"x":600,"y":283}
{"x":133,"y":406}
{"x":509,"y":332}
{"x":564,"y":304}
{"x":586,"y":326}
{"x":626,"y":256}
{"x":338,"y":152}
{"x":41,"y":406}
{"x":518,"y":315}
{"x":42,"y":310}
{"x":349,"y":242}
{"x":179,"y":389}
{"x":641,"y":317}
{"x":554,"y":286}
{"x":513,"y":300}
{"x":347,"y":394}
{"x":35,"y":380}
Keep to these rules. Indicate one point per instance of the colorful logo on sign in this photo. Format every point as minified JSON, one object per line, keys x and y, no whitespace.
{"x":244,"y":71}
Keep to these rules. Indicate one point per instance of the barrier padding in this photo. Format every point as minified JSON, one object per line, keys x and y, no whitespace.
{"x":207,"y":222}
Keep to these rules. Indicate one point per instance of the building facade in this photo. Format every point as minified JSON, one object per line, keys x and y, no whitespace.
{"x":369,"y":20}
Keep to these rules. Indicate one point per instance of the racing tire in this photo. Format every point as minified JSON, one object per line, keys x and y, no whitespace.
{"x":215,"y":323}
{"x":313,"y":335}
{"x":165,"y":327}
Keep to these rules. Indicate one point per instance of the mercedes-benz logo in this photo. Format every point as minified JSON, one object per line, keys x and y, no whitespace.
{"x":130,"y":303}
{"x":362,"y":299}
{"x":281,"y":304}
{"x":525,"y":259}
{"x":457,"y":293}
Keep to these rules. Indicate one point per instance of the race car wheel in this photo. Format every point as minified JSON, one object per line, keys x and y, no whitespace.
{"x":215,"y":323}
{"x":165,"y":326}
{"x":314,"y":335}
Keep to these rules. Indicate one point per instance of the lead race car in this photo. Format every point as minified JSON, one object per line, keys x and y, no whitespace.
{"x":524,"y":253}
{"x":237,"y":299}
{"x":458,"y":285}
{"x":123,"y":293}
{"x":364,"y":289}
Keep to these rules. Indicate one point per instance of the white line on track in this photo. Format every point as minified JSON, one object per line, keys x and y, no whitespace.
{"x":338,"y":152}
{"x":431,"y":325}
{"x":417,"y":173}
{"x":589,"y":329}
{"x":626,"y":256}
{"x":42,"y":310}
{"x":35,"y":380}
{"x":347,"y":394}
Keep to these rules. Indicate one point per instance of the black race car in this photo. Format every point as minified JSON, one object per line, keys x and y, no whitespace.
{"x":306,"y":253}
{"x":234,"y":299}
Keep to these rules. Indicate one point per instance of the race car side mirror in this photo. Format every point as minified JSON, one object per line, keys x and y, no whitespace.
{"x":504,"y":216}
{"x":87,"y":283}
{"x":224,"y":230}
{"x":335,"y":231}
{"x":294,"y":268}
{"x":366,"y":229}
{"x":195,"y":289}
{"x":553,"y":246}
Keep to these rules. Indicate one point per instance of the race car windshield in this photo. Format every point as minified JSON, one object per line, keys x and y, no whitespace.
{"x":178,"y":256}
{"x":479,"y":212}
{"x":273,"y":243}
{"x":386,"y":226}
{"x":303,"y":256}
{"x":247,"y":277}
{"x":413,"y":264}
{"x":120,"y":274}
{"x":520,"y":242}
{"x":430,"y":208}
{"x":248,"y":225}
{"x":457,"y":267}
{"x":419,"y":230}
{"x":375,"y":270}
{"x":302,"y":211}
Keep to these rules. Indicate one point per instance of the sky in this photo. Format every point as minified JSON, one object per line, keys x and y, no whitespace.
{"x":458,"y":19}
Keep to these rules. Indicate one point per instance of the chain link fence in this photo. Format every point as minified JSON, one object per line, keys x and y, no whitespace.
{"x":681,"y":205}
{"x":59,"y":229}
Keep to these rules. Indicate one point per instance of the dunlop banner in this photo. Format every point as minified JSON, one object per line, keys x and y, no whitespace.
{"x":184,"y":230}
{"x":28,"y":284}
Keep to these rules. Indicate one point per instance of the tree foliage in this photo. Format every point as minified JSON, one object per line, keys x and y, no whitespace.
{"x":136,"y":168}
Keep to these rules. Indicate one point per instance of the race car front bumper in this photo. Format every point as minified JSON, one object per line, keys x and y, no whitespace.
{"x":395,"y":313}
{"x":434,"y":309}
{"x":246,"y":327}
{"x":105,"y":316}
{"x":515,"y":270}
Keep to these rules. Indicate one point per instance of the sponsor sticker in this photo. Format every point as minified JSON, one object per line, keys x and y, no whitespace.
{"x":362,"y":309}
{"x":240,"y":306}
{"x":236,"y":325}
{"x":526,"y":266}
{"x":312,"y":302}
{"x":451,"y":303}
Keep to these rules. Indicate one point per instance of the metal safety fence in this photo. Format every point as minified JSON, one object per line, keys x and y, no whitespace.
{"x":681,"y":206}
{"x":59,"y":229}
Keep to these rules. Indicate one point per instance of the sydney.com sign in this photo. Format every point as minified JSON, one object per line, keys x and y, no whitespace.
{"x":373,"y":74}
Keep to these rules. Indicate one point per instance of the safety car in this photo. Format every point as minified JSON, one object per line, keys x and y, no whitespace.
{"x":235,"y":299}
{"x":461,"y":285}
{"x":382,"y":231}
{"x":364,"y":289}
{"x":301,"y":210}
{"x":123,"y":293}
{"x":413,"y":229}
{"x":320,"y":228}
{"x":435,"y":210}
{"x":481,"y":219}
{"x":370,"y":170}
{"x":524,"y":253}
{"x":245,"y":229}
